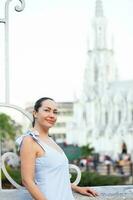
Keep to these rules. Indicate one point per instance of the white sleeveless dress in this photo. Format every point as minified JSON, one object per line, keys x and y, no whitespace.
{"x":51,"y":172}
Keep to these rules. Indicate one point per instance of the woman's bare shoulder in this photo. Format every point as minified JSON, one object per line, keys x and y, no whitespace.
{"x":28,"y":140}
{"x":28,"y":143}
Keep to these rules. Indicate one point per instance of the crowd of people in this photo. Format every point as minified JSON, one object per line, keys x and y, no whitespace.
{"x":120,"y":165}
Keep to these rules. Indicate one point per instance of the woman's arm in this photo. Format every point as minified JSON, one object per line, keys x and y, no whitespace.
{"x":27,"y":157}
{"x":84,"y":190}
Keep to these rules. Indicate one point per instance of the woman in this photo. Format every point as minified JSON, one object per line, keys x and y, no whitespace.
{"x":44,"y":166}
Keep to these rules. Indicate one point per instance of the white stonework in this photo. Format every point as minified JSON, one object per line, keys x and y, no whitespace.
{"x":103,"y":116}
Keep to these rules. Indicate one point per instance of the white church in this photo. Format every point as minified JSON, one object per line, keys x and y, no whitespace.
{"x":103,"y":116}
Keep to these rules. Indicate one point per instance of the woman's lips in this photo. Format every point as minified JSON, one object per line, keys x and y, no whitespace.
{"x":51,"y":122}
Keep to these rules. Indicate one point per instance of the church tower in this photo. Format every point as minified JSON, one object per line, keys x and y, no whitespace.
{"x":99,"y":26}
{"x":100,"y":69}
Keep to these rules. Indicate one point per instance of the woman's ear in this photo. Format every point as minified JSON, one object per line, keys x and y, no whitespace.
{"x":34,"y":114}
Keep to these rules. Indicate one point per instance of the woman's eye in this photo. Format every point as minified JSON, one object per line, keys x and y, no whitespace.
{"x":56,"y":112}
{"x":46,"y":110}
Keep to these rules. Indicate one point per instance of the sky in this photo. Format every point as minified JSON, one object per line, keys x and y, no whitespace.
{"x":49,"y":42}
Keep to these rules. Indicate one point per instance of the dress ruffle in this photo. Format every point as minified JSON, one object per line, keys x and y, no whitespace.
{"x":32,"y":133}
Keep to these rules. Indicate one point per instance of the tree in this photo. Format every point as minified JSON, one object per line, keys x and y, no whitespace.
{"x":8,"y":127}
{"x":86,"y":150}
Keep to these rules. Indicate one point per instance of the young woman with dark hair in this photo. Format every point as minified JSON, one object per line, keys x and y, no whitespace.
{"x":44,"y":166}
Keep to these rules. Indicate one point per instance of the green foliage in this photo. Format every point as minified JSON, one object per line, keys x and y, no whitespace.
{"x":94,"y":179}
{"x":86,"y":150}
{"x":14,"y":173}
{"x":8,"y":127}
{"x":87,"y":178}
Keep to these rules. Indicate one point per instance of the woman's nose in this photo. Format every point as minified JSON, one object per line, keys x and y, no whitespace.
{"x":52,"y":114}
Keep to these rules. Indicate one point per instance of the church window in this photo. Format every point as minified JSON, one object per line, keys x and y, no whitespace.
{"x":84,"y":116}
{"x":119,"y":116}
{"x":106,"y":117}
{"x":96,"y":75}
{"x":100,"y":28}
{"x":132,"y":114}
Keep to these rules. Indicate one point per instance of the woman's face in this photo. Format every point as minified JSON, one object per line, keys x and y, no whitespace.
{"x":46,"y":115}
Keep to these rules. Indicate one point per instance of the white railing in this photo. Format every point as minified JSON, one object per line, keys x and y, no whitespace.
{"x":8,"y":155}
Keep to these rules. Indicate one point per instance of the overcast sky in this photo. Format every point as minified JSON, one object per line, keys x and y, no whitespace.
{"x":48,"y":45}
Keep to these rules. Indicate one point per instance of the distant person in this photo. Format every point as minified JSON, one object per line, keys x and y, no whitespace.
{"x":95,"y":161}
{"x":83,"y":162}
{"x":108,"y":162}
{"x":44,"y":165}
{"x":124,"y":148}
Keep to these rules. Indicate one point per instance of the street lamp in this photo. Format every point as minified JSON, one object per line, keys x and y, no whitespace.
{"x":5,"y":21}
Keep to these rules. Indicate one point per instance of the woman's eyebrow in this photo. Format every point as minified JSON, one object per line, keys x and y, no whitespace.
{"x":51,"y":108}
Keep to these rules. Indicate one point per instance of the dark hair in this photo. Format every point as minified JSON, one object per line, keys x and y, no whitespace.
{"x":38,"y":104}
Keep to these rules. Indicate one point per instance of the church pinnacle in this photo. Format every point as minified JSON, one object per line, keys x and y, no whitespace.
{"x":99,"y":9}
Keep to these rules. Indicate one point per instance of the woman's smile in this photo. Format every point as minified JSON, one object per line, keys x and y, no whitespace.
{"x":50,"y":121}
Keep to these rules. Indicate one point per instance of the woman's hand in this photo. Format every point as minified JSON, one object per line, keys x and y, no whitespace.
{"x":85,"y":191}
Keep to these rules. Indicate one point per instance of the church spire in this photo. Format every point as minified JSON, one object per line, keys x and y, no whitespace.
{"x":99,"y":9}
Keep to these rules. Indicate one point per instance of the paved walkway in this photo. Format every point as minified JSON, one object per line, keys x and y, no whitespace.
{"x":105,"y":193}
{"x":110,"y":193}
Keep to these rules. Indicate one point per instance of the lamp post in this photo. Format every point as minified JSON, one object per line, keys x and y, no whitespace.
{"x":5,"y":21}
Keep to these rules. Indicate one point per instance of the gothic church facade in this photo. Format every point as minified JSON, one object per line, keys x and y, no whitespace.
{"x":103,"y":116}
